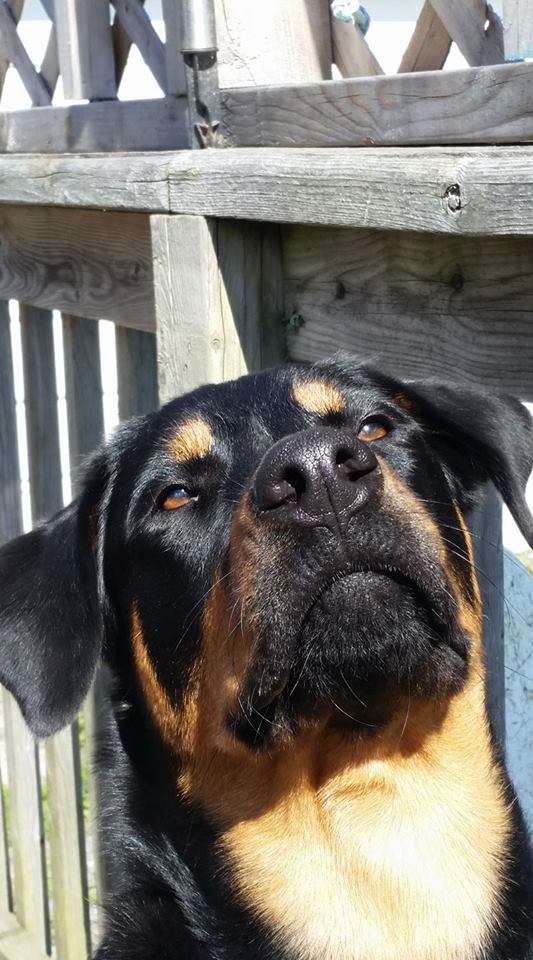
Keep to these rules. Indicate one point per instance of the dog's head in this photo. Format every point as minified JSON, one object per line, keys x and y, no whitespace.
{"x":284,"y":551}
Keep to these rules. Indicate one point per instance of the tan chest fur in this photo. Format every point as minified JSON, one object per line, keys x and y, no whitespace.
{"x":389,"y":858}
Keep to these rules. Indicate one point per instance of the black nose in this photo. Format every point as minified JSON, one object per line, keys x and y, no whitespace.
{"x":320,"y":473}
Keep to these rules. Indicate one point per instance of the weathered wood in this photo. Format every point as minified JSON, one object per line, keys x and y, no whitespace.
{"x":518,"y":29}
{"x":15,"y":7}
{"x":67,"y":850}
{"x":50,"y":65}
{"x":486,"y":528}
{"x":104,"y":127}
{"x":419,"y":305}
{"x":479,"y":105}
{"x":209,"y":301}
{"x":121,"y":47}
{"x":137,"y":24}
{"x":16,"y":943}
{"x":292,"y":44}
{"x":476,"y":29}
{"x":175,"y":85}
{"x":66,"y":259}
{"x":136,"y":372}
{"x":447,"y":190}
{"x":6,"y":891}
{"x":27,"y":834}
{"x":10,"y":503}
{"x":351,"y":53}
{"x":15,"y":52}
{"x":429,"y":45}
{"x":85,"y":49}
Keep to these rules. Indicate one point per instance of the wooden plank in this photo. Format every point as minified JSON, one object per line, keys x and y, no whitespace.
{"x":16,"y":943}
{"x":429,"y":45}
{"x":420,"y":305}
{"x":518,"y":29}
{"x":209,"y":296}
{"x":291,"y":44}
{"x":486,"y":528}
{"x":447,"y":190}
{"x":50,"y":65}
{"x":137,"y":372}
{"x":85,"y":49}
{"x":67,"y":853}
{"x":475,"y":27}
{"x":137,"y":24}
{"x":83,"y":387}
{"x":351,"y":53}
{"x":95,"y":263}
{"x":10,"y":502}
{"x":479,"y":105}
{"x":104,"y":127}
{"x":6,"y":890}
{"x":27,"y":834}
{"x":121,"y":48}
{"x":175,"y":84}
{"x":15,"y":52}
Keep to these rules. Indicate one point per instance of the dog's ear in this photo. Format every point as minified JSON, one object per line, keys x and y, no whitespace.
{"x":51,"y":625}
{"x":480,"y":436}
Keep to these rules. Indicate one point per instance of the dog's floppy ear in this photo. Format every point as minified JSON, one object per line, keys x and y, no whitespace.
{"x":51,"y":625}
{"x":480,"y":436}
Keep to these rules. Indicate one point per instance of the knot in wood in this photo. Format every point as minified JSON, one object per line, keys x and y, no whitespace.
{"x":453,"y":197}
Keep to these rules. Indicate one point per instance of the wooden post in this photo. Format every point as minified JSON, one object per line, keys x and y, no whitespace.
{"x":518,"y":29}
{"x":218,"y":310}
{"x":136,"y":372}
{"x":85,"y":49}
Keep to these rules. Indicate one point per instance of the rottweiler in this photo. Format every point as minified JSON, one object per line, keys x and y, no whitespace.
{"x":278,"y":572}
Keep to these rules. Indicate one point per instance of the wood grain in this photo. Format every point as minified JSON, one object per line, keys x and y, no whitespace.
{"x":418,"y":305}
{"x":105,"y":127}
{"x":429,"y":45}
{"x":66,"y":259}
{"x":479,"y":105}
{"x":518,"y":29}
{"x":137,"y":372}
{"x":476,"y":29}
{"x":15,"y":7}
{"x":85,"y":49}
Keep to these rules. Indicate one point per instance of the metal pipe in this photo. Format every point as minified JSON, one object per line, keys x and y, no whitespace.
{"x":198,"y":26}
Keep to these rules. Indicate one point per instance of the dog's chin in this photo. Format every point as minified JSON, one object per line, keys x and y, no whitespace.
{"x":370,"y":639}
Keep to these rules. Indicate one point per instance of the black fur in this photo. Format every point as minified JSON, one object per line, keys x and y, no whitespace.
{"x":67,"y":589}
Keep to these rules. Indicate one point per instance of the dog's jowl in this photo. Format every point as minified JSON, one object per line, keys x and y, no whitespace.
{"x":279,"y":574}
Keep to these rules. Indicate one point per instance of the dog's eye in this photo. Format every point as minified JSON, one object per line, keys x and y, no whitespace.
{"x":373,"y":430}
{"x":175,"y":497}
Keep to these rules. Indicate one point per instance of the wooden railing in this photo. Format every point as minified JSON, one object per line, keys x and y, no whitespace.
{"x":52,"y":873}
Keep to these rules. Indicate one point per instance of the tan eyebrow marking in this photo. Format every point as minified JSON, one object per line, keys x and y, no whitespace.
{"x":317,"y":396}
{"x":193,"y":439}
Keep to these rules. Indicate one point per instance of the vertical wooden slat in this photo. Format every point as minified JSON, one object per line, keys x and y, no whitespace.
{"x":486,"y":527}
{"x":83,"y":384}
{"x":429,"y":45}
{"x":210,"y":294}
{"x":518,"y":29}
{"x":176,"y":85}
{"x":67,"y":843}
{"x":137,"y":372}
{"x":85,"y":49}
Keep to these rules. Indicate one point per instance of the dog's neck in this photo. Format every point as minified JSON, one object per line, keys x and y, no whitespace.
{"x":392,"y":848}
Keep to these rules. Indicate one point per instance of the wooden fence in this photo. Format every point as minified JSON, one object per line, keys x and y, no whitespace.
{"x":52,"y":872}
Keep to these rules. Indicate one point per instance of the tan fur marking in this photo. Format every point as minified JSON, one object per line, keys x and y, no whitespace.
{"x":317,"y":396}
{"x":163,"y":713}
{"x":192,"y":440}
{"x":390,"y":848}
{"x":406,"y":403}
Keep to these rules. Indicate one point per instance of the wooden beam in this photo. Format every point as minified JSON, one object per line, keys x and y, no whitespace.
{"x":65,"y":260}
{"x":104,"y":127}
{"x":479,"y":105}
{"x":475,"y":27}
{"x":136,"y":372}
{"x":10,"y":502}
{"x":15,"y":7}
{"x":50,"y":65}
{"x":85,"y":49}
{"x":429,"y":45}
{"x":210,"y":297}
{"x":448,"y":190}
{"x":351,"y":53}
{"x":421,"y":305}
{"x":14,"y":51}
{"x":176,"y":85}
{"x":136,"y":22}
{"x":518,"y":29}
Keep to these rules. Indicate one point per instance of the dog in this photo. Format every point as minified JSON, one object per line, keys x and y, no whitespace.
{"x":278,"y":572}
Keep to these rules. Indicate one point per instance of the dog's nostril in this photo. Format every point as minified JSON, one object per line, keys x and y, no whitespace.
{"x":342,"y":456}
{"x":352,"y":465}
{"x":296,"y":481}
{"x":276,"y":494}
